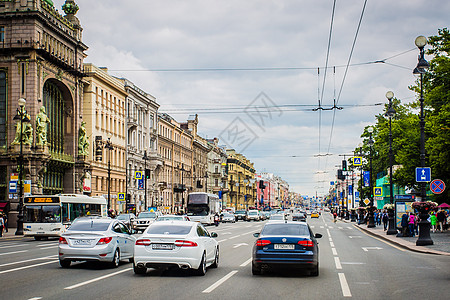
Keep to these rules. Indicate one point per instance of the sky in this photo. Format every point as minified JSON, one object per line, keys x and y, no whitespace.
{"x":254,"y":70}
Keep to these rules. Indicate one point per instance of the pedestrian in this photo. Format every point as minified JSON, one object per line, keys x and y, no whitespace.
{"x":5,"y":219}
{"x":441,"y":219}
{"x":385,"y":218}
{"x":411,"y":224}
{"x":433,"y":221}
{"x":404,"y":224}
{"x":2,"y":224}
{"x":379,"y":215}
{"x":334,"y":217}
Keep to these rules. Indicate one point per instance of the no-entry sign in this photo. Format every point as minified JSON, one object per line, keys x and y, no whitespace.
{"x":437,"y":186}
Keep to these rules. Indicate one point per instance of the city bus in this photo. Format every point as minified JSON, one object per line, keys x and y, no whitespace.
{"x":201,"y":207}
{"x":50,"y":215}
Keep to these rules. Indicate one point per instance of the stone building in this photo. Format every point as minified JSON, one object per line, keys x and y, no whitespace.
{"x":241,"y":179}
{"x":41,"y":61}
{"x":217,"y":171}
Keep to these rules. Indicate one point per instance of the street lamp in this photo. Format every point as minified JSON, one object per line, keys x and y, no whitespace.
{"x":371,"y":223}
{"x":145,"y":179}
{"x":421,"y":68}
{"x":109,"y":147}
{"x":390,"y":113}
{"x":22,"y":116}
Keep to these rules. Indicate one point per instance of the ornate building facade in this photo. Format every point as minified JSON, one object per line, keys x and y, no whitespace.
{"x":241,"y":179}
{"x":41,"y":61}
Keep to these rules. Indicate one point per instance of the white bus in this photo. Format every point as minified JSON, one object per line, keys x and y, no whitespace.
{"x":201,"y":207}
{"x":51,"y":215}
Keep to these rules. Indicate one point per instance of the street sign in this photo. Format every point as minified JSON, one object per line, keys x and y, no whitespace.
{"x":356,"y":195}
{"x":378,"y":191}
{"x":121,"y":196}
{"x":13,"y":186}
{"x":437,"y":186}
{"x":423,"y":174}
{"x":138,"y":175}
{"x":357,"y":161}
{"x":366,"y":201}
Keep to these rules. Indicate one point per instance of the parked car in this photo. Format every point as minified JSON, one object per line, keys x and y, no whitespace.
{"x":241,"y":215}
{"x":128,"y":219}
{"x":176,"y":244}
{"x":228,"y":217}
{"x":286,"y":245}
{"x":105,"y":240}
{"x":145,"y":218}
{"x":253,"y":215}
{"x":172,"y":218}
{"x":299,"y":217}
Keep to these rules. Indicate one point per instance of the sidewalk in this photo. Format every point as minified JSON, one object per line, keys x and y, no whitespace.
{"x":10,"y":234}
{"x":441,"y":240}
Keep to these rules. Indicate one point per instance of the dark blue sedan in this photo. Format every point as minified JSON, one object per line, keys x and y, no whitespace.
{"x":286,"y":245}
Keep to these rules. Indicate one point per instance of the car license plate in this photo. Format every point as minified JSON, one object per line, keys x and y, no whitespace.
{"x":81,"y":242}
{"x":284,"y":246}
{"x":162,"y":246}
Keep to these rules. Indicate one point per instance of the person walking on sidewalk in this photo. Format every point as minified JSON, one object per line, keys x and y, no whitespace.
{"x":2,"y":224}
{"x":385,"y":218}
{"x":404,"y":223}
{"x":441,"y":219}
{"x":411,"y":224}
{"x":433,"y":221}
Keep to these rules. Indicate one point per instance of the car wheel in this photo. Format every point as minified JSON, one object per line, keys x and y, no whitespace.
{"x":139,"y":270}
{"x":64,"y":263}
{"x":255,"y":270}
{"x":216,"y":259}
{"x":116,"y":259}
{"x":201,"y":271}
{"x":315,"y":271}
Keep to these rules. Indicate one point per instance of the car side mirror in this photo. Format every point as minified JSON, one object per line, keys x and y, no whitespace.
{"x":317,"y":235}
{"x":256,"y":234}
{"x":214,"y":235}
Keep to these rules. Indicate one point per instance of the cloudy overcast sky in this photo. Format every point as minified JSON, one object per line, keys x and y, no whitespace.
{"x":250,"y":69}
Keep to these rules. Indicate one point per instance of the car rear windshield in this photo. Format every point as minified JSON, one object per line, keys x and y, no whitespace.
{"x":171,"y":229}
{"x":150,"y":215}
{"x":285,"y":229}
{"x":240,"y":212}
{"x":89,"y":226}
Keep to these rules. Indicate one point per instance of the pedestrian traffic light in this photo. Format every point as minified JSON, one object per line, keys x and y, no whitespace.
{"x":344,"y":165}
{"x":147,"y":173}
{"x":340,"y":175}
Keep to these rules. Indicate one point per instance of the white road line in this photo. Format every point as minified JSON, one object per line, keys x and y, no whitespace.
{"x":348,"y":227}
{"x":222,"y":241}
{"x":331,"y":244}
{"x":96,"y":279}
{"x":328,"y":232}
{"x":246,"y":262}
{"x":334,"y":251}
{"x":352,"y":263}
{"x":27,"y":260}
{"x":312,"y":226}
{"x":35,"y":298}
{"x":47,"y":244}
{"x":12,"y":246}
{"x":14,"y":252}
{"x":233,"y":237}
{"x":43,"y":248}
{"x":330,"y":227}
{"x":337,"y":263}
{"x":219,"y":282}
{"x":344,"y":285}
{"x":330,"y":239}
{"x":27,"y":267}
{"x":321,"y":226}
{"x":340,"y":227}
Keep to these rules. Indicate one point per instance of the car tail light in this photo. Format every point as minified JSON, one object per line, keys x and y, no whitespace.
{"x":143,"y":242}
{"x":183,"y":243}
{"x":306,"y":243}
{"x":104,"y":240}
{"x":262,"y":243}
{"x":62,"y":240}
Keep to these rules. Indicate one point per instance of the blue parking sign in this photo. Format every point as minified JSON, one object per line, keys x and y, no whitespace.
{"x":423,"y":174}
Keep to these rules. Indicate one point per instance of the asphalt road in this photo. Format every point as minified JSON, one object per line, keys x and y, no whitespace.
{"x":352,"y":264}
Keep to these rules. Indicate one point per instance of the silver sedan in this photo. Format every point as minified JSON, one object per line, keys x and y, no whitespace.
{"x":104,"y":240}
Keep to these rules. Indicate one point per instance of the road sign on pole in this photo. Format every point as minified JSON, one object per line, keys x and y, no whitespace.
{"x":423,"y":174}
{"x":121,"y":196}
{"x":378,"y":191}
{"x":357,"y":161}
{"x":138,"y":175}
{"x":437,"y":186}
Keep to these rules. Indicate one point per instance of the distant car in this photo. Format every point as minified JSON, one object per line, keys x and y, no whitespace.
{"x":172,"y":218}
{"x":104,"y":240}
{"x":314,"y":214}
{"x":240,"y":215}
{"x":127,"y":219}
{"x":145,"y":218}
{"x":176,"y":244}
{"x":228,"y":217}
{"x":286,"y":245}
{"x":277,"y":217}
{"x":253,"y":215}
{"x":299,"y":217}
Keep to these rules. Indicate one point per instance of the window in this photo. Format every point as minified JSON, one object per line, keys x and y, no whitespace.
{"x":3,"y":94}
{"x":2,"y":33}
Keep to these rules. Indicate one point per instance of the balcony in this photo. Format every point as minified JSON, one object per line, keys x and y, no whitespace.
{"x":132,"y":122}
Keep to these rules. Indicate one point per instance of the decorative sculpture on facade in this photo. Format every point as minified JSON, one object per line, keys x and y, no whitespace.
{"x":27,"y":132}
{"x":83,"y":140}
{"x":42,"y":121}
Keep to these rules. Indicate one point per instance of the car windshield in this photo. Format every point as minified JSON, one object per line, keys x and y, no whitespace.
{"x":277,"y":217}
{"x":168,"y":229}
{"x":240,"y":212}
{"x":179,"y":218}
{"x":252,"y":213}
{"x":146,"y":215}
{"x":285,"y":229}
{"x":89,"y":226}
{"x":227,"y":215}
{"x":123,"y":217}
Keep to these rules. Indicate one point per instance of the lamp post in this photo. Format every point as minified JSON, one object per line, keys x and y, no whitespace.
{"x":109,"y":147}
{"x":390,"y":113}
{"x":145,"y":157}
{"x":22,"y":117}
{"x":421,"y":68}
{"x":371,"y":223}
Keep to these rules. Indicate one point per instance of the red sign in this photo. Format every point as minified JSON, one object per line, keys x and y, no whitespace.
{"x":437,"y":186}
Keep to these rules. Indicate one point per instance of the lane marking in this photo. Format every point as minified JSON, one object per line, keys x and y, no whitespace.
{"x":344,"y":285}
{"x":328,"y":232}
{"x":330,"y":239}
{"x":355,"y":263}
{"x":238,"y":245}
{"x":340,"y":227}
{"x":96,"y":279}
{"x":222,"y":240}
{"x":354,"y":236}
{"x":27,"y":267}
{"x":219,"y":282}
{"x":331,"y":244}
{"x":337,"y":263}
{"x":35,"y":298}
{"x":47,"y":244}
{"x":330,"y":227}
{"x":348,"y":227}
{"x":43,"y":248}
{"x":246,"y":262}
{"x":13,"y":252}
{"x":321,"y":227}
{"x":27,"y":260}
{"x":334,"y":251}
{"x":12,"y":246}
{"x":381,"y":240}
{"x":233,"y":237}
{"x":366,"y":249}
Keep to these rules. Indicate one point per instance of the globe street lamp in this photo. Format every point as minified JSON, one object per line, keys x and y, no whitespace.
{"x":421,"y":68}
{"x":22,"y":116}
{"x":146,"y":175}
{"x":109,"y":147}
{"x":371,"y":223}
{"x":390,"y":113}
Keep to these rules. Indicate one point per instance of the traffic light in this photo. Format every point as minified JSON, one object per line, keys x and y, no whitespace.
{"x":344,"y":165}
{"x":261,"y":185}
{"x":340,"y":175}
{"x":147,"y":173}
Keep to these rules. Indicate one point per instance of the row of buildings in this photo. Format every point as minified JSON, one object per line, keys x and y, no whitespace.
{"x":77,"y":129}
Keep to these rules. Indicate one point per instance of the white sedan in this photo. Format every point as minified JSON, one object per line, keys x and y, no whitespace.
{"x":180,"y":244}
